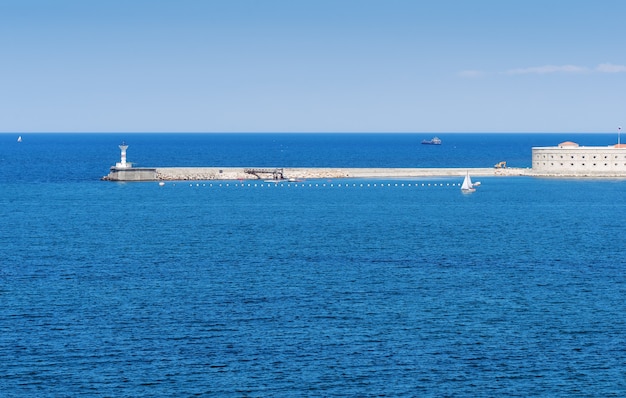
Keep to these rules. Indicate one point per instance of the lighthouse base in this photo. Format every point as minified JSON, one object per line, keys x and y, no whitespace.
{"x":131,"y":174}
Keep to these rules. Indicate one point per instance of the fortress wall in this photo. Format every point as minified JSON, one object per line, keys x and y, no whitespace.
{"x":579,"y":161}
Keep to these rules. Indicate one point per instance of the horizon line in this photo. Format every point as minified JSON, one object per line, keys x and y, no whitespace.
{"x":308,"y":132}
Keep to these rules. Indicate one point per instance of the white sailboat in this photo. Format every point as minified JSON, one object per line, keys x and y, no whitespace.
{"x":467,"y":186}
{"x":19,"y":139}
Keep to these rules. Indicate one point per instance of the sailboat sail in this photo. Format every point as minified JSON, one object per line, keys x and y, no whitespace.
{"x":467,"y":185}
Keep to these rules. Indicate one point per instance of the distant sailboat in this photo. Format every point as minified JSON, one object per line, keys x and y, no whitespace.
{"x":467,"y":186}
{"x":19,"y":139}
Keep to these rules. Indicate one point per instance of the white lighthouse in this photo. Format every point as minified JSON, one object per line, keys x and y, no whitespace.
{"x":122,"y":164}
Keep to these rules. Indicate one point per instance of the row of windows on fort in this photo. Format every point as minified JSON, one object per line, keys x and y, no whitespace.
{"x":582,"y":164}
{"x":582,"y":156}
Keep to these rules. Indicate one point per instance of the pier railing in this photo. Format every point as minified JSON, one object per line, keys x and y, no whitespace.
{"x":277,"y":174}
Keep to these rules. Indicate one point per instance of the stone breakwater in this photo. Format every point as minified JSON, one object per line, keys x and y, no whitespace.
{"x":238,"y":173}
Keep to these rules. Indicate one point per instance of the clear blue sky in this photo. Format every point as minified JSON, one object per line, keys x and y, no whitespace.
{"x":312,"y":65}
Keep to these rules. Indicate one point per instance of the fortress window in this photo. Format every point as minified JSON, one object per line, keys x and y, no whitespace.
{"x":594,"y":164}
{"x":572,"y":156}
{"x":594,"y":156}
{"x":583,"y":156}
{"x":571,"y":164}
{"x":583,"y":164}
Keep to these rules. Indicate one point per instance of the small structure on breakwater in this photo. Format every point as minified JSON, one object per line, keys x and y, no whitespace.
{"x":276,"y":174}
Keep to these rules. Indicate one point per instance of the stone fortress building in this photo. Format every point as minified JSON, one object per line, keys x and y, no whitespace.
{"x":571,"y":159}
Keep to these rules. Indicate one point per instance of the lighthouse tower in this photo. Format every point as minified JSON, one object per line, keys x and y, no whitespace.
{"x":122,"y":164}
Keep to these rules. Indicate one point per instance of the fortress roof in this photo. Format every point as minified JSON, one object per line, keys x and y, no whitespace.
{"x":568,"y":144}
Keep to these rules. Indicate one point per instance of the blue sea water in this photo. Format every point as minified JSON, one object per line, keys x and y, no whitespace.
{"x":399,"y":287}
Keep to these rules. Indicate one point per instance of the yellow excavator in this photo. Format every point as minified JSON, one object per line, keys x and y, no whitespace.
{"x":501,"y":165}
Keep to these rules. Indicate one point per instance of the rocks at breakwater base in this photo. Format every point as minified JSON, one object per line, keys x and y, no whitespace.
{"x":239,"y":173}
{"x":131,"y":174}
{"x":235,"y":173}
{"x":202,"y":173}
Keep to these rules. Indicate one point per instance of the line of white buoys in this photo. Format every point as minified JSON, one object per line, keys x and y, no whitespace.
{"x":317,"y":185}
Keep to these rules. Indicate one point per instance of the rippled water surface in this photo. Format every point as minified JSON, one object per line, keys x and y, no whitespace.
{"x":320,"y":288}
